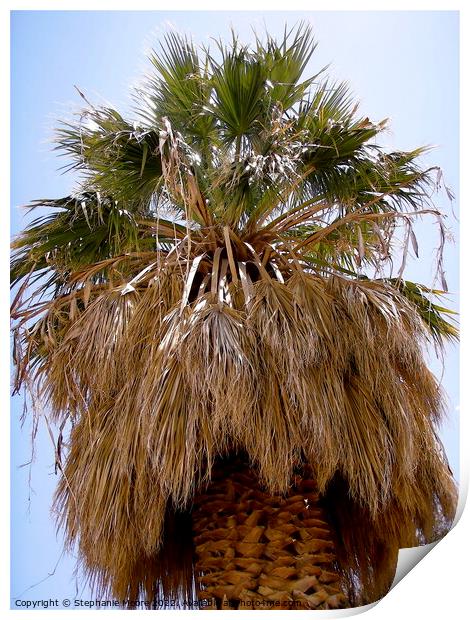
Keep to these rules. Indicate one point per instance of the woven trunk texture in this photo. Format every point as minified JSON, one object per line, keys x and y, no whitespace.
{"x":259,"y":551}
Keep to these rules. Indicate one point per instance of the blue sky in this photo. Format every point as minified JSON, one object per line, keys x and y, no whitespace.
{"x":401,"y":65}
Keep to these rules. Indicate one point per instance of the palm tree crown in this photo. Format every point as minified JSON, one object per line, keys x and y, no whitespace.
{"x":217,"y":284}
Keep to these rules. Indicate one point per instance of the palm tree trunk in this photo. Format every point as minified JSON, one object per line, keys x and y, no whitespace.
{"x":254,"y":550}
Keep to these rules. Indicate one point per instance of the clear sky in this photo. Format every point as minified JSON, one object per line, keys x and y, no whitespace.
{"x":401,"y":65}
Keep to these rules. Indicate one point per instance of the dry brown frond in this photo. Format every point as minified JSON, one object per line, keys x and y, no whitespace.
{"x":90,"y":338}
{"x":291,"y":369}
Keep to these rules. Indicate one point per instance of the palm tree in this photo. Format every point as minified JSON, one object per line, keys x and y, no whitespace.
{"x":210,"y":316}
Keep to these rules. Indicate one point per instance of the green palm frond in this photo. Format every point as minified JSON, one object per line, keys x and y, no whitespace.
{"x":239,"y":83}
{"x":116,"y":157}
{"x":81,"y":231}
{"x":179,"y":91}
{"x":433,"y":315}
{"x":286,"y":61}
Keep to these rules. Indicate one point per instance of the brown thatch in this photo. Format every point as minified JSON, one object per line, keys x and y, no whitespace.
{"x":324,"y":371}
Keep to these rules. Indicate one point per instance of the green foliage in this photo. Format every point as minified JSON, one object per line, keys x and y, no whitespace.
{"x":77,"y":232}
{"x":117,"y":158}
{"x":237,"y":138}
